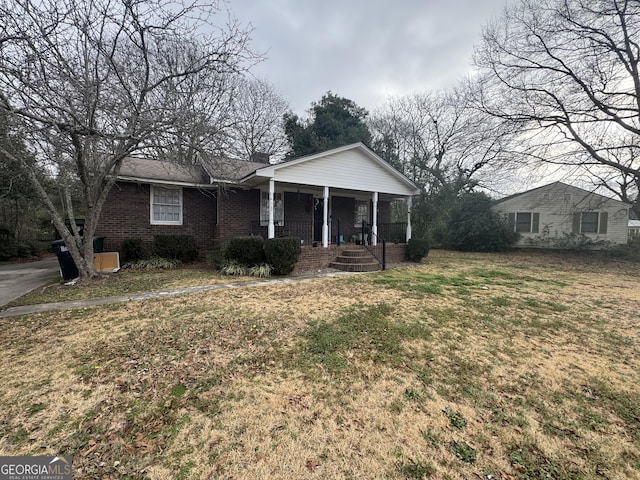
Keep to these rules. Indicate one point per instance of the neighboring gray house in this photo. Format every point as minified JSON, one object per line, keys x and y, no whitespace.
{"x":560,"y":215}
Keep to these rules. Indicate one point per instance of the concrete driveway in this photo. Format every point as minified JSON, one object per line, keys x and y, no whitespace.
{"x":18,"y":279}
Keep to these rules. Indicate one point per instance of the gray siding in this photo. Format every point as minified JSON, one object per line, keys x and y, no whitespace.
{"x":557,"y":205}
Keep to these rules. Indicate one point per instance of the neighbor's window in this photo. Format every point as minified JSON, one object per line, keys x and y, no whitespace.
{"x":590,"y":222}
{"x":362,"y":212}
{"x":166,"y":205}
{"x":278,"y":209}
{"x":524,"y":222}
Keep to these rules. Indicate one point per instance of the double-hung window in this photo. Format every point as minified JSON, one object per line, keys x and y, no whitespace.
{"x":278,"y":209}
{"x":166,"y":205}
{"x":361,"y":213}
{"x":590,"y":222}
{"x":524,"y":222}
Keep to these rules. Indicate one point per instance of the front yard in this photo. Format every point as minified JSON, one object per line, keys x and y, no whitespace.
{"x":467,"y":366}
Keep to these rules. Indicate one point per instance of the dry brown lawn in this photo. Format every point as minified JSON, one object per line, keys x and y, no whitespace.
{"x":467,"y":366}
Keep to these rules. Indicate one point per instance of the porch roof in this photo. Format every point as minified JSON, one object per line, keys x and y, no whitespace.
{"x":208,"y":174}
{"x":345,"y":169}
{"x":145,"y":170}
{"x":352,"y":167}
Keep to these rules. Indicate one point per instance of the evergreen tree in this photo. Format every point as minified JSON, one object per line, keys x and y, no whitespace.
{"x":475,"y":227}
{"x":334,"y":122}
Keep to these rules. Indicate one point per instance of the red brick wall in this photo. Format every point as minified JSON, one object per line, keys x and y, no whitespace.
{"x":396,"y":253}
{"x":236,"y":210}
{"x":126,"y":215}
{"x":312,"y":258}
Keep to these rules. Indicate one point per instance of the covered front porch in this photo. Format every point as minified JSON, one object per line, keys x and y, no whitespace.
{"x":346,"y":219}
{"x":336,"y":197}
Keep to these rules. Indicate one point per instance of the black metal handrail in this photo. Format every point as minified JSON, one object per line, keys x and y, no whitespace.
{"x":367,"y":240}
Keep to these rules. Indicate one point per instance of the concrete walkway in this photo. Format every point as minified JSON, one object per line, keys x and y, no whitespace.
{"x":92,"y":302}
{"x":18,"y":279}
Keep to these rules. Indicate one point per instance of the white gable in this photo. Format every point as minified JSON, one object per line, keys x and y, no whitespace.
{"x":353,"y":168}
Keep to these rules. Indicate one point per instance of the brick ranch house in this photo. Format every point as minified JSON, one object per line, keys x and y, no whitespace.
{"x":321,"y":198}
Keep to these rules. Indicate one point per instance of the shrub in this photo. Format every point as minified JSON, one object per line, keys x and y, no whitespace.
{"x":7,"y":252}
{"x":233,"y":267}
{"x":5,"y":233}
{"x":248,"y":251}
{"x":24,"y":250}
{"x":133,"y":250}
{"x":177,"y":247}
{"x":629,"y":251}
{"x":261,"y":271}
{"x":282,"y":254}
{"x":216,"y":258}
{"x":10,"y":250}
{"x":417,"y":249}
{"x":475,"y":227}
{"x":152,"y":263}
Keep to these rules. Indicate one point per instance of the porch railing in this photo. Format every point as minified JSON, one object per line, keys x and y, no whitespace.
{"x":302,"y":230}
{"x":393,"y":232}
{"x":340,"y":232}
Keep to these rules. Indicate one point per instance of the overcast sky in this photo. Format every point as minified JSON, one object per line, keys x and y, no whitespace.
{"x":364,"y":50}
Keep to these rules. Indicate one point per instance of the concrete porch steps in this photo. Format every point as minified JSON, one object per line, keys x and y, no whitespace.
{"x":355,"y":260}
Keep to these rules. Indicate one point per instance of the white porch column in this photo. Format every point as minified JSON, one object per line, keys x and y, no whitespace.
{"x":271,"y":229}
{"x":325,"y":218}
{"x":409,"y":206}
{"x":374,"y":226}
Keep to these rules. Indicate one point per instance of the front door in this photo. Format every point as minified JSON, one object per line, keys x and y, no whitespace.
{"x":318,"y":217}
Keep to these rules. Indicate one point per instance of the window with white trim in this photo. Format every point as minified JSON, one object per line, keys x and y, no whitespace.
{"x":278,"y":209}
{"x":166,"y":205}
{"x":361,"y":213}
{"x":524,"y":222}
{"x":590,"y":222}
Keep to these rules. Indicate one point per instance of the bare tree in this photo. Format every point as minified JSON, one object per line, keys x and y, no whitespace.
{"x":257,"y":120}
{"x":439,"y":138}
{"x":567,"y":71}
{"x":89,"y":82}
{"x":445,"y":146}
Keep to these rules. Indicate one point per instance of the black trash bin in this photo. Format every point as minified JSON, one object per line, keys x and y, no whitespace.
{"x":68,"y":268}
{"x":98,"y":244}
